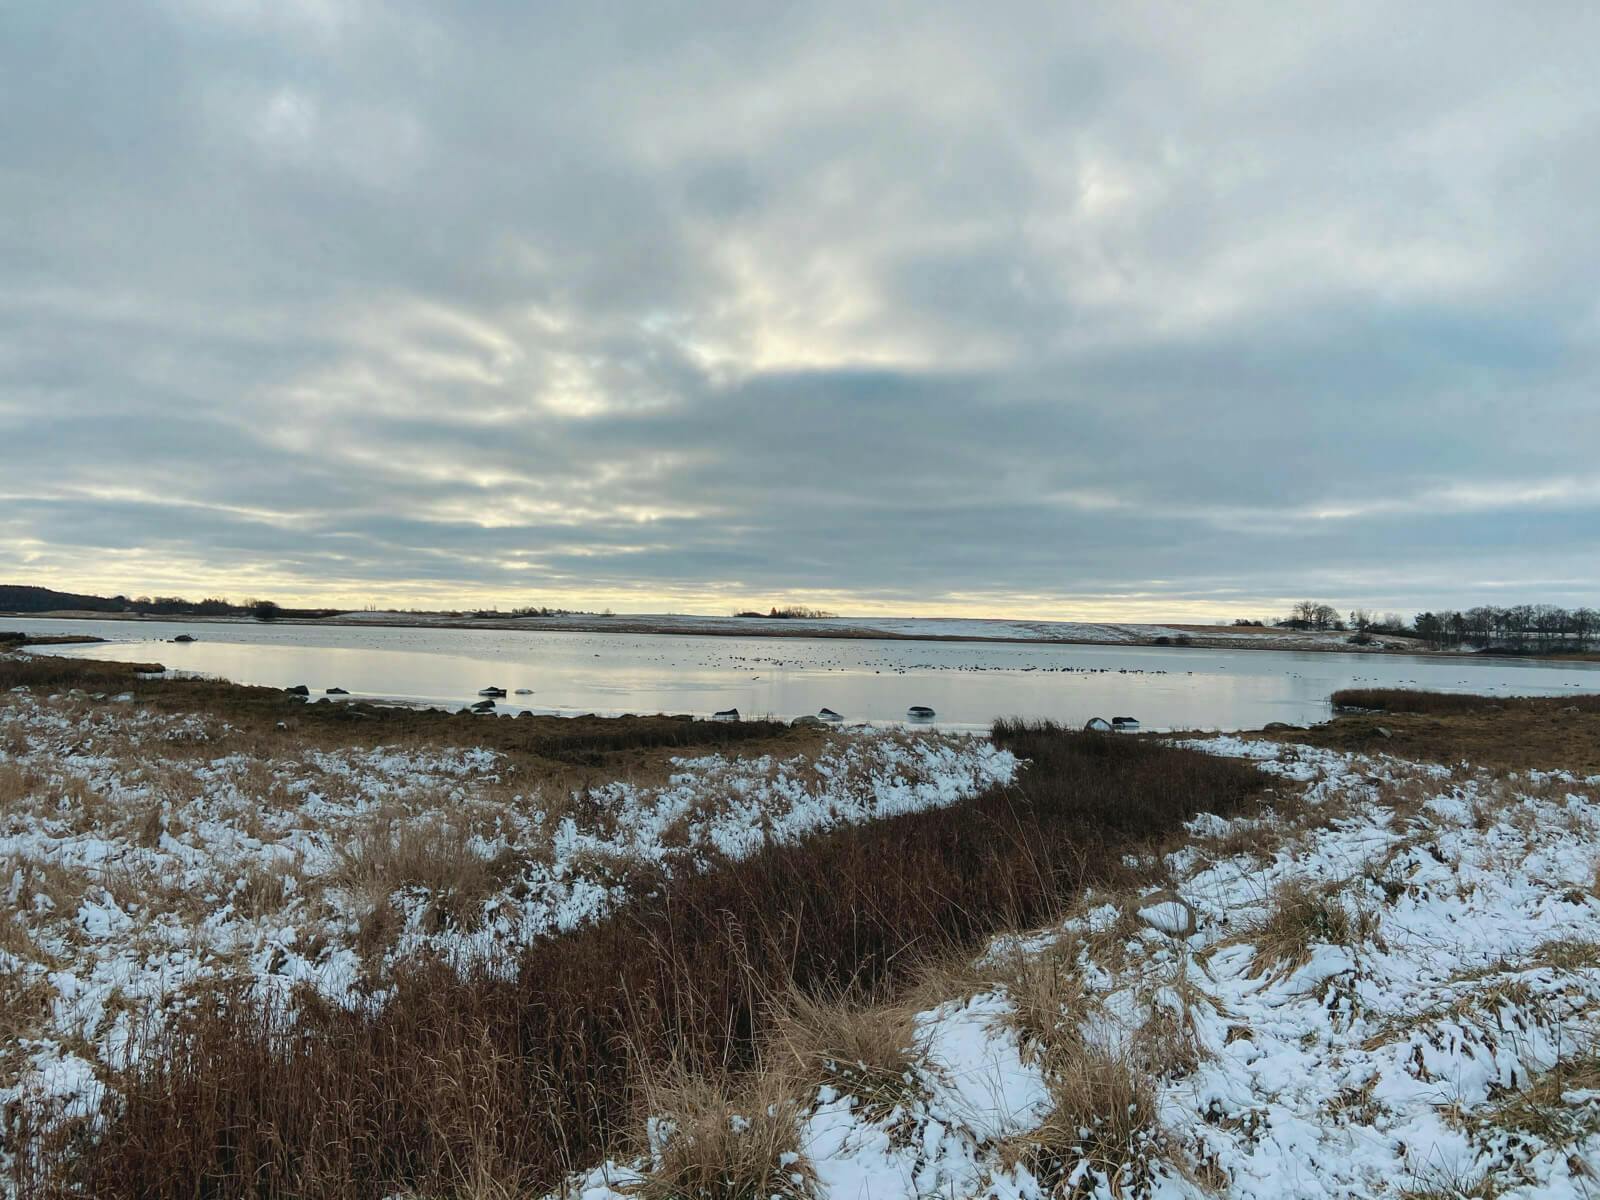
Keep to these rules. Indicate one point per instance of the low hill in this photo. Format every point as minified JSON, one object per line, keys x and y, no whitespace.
{"x":17,"y":598}
{"x":21,"y":598}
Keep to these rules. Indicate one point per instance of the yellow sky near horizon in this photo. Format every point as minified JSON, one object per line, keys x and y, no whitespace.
{"x":720,"y":601}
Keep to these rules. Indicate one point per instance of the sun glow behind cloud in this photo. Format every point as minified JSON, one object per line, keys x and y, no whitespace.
{"x":1035,"y":312}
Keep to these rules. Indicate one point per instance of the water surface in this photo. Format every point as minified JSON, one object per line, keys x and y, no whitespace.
{"x":967,"y":683}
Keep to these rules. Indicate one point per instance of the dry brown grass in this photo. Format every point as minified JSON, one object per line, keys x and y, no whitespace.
{"x":564,"y":752}
{"x":710,"y":1143}
{"x":24,"y":996}
{"x":60,"y":888}
{"x":1566,"y":954}
{"x":1168,"y":1045}
{"x":331,"y":1102}
{"x":265,"y":889}
{"x":868,"y":1051}
{"x":1049,"y":998}
{"x":1299,"y":917}
{"x":1101,"y":1129}
{"x":433,"y":854}
{"x":16,"y":784}
{"x":1511,"y":733}
{"x":1541,"y":1110}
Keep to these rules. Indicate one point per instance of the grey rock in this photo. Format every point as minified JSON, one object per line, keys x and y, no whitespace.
{"x":1167,"y":912}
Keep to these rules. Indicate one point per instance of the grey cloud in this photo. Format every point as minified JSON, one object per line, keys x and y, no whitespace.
{"x":1030,"y":304}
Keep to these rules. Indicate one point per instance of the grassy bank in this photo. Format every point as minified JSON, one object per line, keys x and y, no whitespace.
{"x":1242,"y":966}
{"x":1506,"y":732}
{"x":530,"y":1071}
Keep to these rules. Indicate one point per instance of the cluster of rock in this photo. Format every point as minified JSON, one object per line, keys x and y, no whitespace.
{"x":1115,"y":725}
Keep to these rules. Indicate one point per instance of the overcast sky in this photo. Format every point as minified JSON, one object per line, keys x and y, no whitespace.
{"x":1052,"y":309}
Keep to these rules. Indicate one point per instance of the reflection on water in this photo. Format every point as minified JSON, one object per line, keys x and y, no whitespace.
{"x":965,"y":683}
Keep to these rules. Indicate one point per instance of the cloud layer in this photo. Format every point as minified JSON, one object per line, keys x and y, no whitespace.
{"x":1060,"y":309}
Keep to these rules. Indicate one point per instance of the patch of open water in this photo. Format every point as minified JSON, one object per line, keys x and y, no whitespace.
{"x":965,"y":683}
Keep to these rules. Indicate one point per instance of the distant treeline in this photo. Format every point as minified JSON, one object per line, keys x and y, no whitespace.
{"x":20,"y":599}
{"x":1518,"y":628}
{"x":1522,"y":628}
{"x":795,"y":612}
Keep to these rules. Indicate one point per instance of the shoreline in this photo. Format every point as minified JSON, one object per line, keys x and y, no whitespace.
{"x":1143,"y":634}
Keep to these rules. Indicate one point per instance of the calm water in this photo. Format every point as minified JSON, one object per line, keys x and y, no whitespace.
{"x":967,"y":683}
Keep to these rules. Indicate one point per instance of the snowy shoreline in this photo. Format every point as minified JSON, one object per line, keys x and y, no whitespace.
{"x":1386,"y":983}
{"x":142,"y":854}
{"x":1394,"y":993}
{"x":916,"y":629}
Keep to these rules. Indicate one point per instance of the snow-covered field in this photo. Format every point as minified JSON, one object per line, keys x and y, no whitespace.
{"x":141,"y":853}
{"x":1388,"y":986}
{"x":1390,"y":990}
{"x":966,"y":629}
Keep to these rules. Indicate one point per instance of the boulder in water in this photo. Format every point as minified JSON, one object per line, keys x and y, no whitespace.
{"x":920,"y":712}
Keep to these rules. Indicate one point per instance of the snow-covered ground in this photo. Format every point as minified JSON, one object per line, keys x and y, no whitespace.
{"x":966,"y":629}
{"x":1389,"y":987}
{"x":1391,"y":990}
{"x":140,"y":853}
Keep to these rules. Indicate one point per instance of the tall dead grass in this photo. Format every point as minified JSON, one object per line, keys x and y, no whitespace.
{"x":1101,"y":1129}
{"x":708,"y":1140}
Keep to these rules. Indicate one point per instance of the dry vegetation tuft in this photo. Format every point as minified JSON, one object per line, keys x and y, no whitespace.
{"x":435,"y":855}
{"x":868,"y":1051}
{"x":1300,"y":917}
{"x":1101,"y":1132}
{"x":708,"y":1142}
{"x":1048,"y":995}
